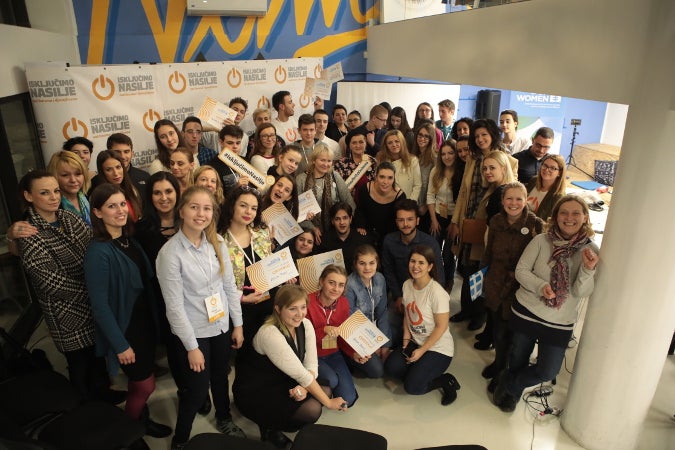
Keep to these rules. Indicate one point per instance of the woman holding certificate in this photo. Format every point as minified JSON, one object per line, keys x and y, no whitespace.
{"x":248,"y":241}
{"x":327,"y":309}
{"x":195,"y":275}
{"x":276,"y":386}
{"x":427,"y":343}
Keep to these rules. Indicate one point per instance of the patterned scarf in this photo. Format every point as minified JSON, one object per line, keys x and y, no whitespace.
{"x":477,"y":189}
{"x":563,"y":249}
{"x":324,"y":196}
{"x":83,"y":203}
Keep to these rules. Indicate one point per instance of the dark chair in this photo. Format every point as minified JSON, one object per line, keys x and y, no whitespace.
{"x":217,"y":441}
{"x":327,"y":437}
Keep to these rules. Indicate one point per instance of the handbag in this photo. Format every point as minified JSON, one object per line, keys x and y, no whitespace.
{"x":473,"y":231}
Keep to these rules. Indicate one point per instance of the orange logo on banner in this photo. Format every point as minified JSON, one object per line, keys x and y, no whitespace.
{"x":149,"y":119}
{"x":305,"y":100}
{"x":77,"y":127}
{"x":264,"y":102}
{"x":414,"y":314}
{"x":102,"y":83}
{"x":291,"y":135}
{"x":175,"y":81}
{"x":280,"y":74}
{"x":234,"y":78}
{"x":317,"y":71}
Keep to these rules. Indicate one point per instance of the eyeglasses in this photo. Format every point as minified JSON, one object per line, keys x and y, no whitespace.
{"x":381,"y":119}
{"x":550,"y":168}
{"x":248,"y":189}
{"x":423,"y":136}
{"x":268,"y":136}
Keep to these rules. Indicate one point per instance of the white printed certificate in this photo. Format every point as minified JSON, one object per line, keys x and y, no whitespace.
{"x":361,"y":334}
{"x":272,"y":270}
{"x":307,"y":204}
{"x":281,"y":222}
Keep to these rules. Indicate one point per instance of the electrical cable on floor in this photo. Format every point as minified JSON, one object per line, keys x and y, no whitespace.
{"x":537,"y":403}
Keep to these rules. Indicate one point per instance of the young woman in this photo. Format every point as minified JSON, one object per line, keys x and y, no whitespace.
{"x":497,"y":173}
{"x":427,"y":344}
{"x":73,"y":178}
{"x":484,"y":138}
{"x":555,"y":272}
{"x":508,"y":123}
{"x":83,"y":148}
{"x":375,"y":212}
{"x":287,"y":161}
{"x":303,"y":244}
{"x":119,"y":280}
{"x":195,"y":275}
{"x":283,"y":191}
{"x":327,"y":309}
{"x":356,"y":154}
{"x":167,"y":138}
{"x":423,"y":113}
{"x":265,"y":147}
{"x":463,"y":150}
{"x":508,"y":234}
{"x":398,"y":120}
{"x":248,"y":241}
{"x":338,"y":127}
{"x":426,"y":151}
{"x":277,"y":388}
{"x":408,"y":173}
{"x":461,"y":127}
{"x":548,"y":186}
{"x":111,"y":168}
{"x":444,"y":182}
{"x":182,"y":164}
{"x":207,"y":177}
{"x":366,"y":291}
{"x":53,"y":259}
{"x":326,"y":186}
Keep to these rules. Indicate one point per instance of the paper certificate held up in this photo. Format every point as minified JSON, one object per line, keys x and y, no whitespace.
{"x":362,"y":334}
{"x":317,"y":87}
{"x":272,"y":270}
{"x":216,"y":113}
{"x":245,"y":169}
{"x":310,"y":268}
{"x":307,"y":204}
{"x":333,"y":73}
{"x":282,"y":222}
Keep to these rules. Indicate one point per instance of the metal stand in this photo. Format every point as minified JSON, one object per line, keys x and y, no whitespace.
{"x":570,"y":158}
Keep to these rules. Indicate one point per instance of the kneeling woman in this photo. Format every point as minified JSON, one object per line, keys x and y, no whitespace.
{"x":428,"y":345}
{"x":276,"y":387}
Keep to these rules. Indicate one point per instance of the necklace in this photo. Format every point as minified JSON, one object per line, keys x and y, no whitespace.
{"x":124,"y":244}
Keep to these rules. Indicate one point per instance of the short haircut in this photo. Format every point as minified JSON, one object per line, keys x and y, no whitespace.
{"x":305,"y":119}
{"x":355,"y":112}
{"x":118,"y":138}
{"x":230,"y":130}
{"x":191,"y":119}
{"x":338,"y":106}
{"x":447,"y":103}
{"x":406,"y":204}
{"x":341,"y":206}
{"x":511,"y":113}
{"x":238,"y":100}
{"x":320,"y":111}
{"x":278,"y":98}
{"x":545,"y":132}
{"x":258,"y":111}
{"x":377,"y":110}
{"x":70,"y":143}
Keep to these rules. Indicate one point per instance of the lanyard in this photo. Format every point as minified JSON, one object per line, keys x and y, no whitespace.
{"x":210,"y":275}
{"x":250,"y":262}
{"x":369,"y":289}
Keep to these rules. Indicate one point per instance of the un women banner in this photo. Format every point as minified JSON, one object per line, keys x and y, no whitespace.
{"x":97,"y":101}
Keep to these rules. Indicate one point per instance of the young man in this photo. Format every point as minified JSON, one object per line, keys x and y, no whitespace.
{"x":374,"y":130}
{"x":241,"y":106}
{"x":446,"y":112}
{"x":321,"y":122}
{"x":230,"y":139}
{"x":529,"y":161}
{"x":285,"y":123}
{"x":342,"y":235}
{"x":210,"y":139}
{"x":192,"y":134}
{"x":307,"y":130}
{"x":123,"y":147}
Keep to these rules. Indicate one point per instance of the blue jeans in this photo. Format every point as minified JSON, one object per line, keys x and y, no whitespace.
{"x":334,"y":371}
{"x":520,"y":374}
{"x":373,"y":368}
{"x":418,"y":375}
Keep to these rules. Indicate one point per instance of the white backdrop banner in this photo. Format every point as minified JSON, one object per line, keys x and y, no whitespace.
{"x":97,"y":101}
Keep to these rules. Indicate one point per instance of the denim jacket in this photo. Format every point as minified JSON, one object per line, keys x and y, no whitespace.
{"x":374,"y":308}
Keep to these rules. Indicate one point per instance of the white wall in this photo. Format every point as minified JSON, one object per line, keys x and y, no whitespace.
{"x":615,"y":124}
{"x":574,"y":48}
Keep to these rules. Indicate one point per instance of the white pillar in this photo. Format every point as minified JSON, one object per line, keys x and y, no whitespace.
{"x":631,"y":314}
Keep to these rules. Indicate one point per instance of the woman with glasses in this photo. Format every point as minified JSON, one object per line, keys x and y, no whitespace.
{"x":544,"y":191}
{"x":426,"y":151}
{"x":426,"y":112}
{"x":265,"y":147}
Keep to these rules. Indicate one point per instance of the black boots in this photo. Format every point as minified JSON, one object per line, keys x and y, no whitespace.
{"x":275,"y":437}
{"x":152,"y":428}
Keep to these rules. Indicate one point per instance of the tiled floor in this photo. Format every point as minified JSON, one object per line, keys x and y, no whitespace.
{"x":411,"y":422}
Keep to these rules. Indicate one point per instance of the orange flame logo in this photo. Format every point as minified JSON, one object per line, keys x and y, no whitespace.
{"x":280,"y":74}
{"x":100,"y":85}
{"x":234,"y":78}
{"x":76,"y":126}
{"x":177,"y":82}
{"x":149,"y":118}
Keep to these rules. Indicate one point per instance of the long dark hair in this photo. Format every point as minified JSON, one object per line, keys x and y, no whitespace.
{"x":163,"y":153}
{"x":291,"y":204}
{"x":399,"y":112}
{"x":151,"y":217}
{"x":127,"y":186}
{"x":429,"y":255}
{"x":231,"y":201}
{"x":492,"y":129}
{"x":26,"y":184}
{"x":97,"y":199}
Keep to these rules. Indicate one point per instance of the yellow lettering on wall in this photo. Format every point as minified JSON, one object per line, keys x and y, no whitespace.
{"x":97,"y":31}
{"x":330,"y":9}
{"x":213,"y":24}
{"x":266,"y":22}
{"x":369,"y":14}
{"x":304,"y":7}
{"x":167,"y":38}
{"x":328,"y":44}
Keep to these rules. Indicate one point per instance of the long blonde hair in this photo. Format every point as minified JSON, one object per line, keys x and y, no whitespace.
{"x":210,"y":231}
{"x":439,"y":175}
{"x":219,"y":195}
{"x":502,"y":159}
{"x":73,"y":160}
{"x":285,"y":296}
{"x":384,"y":155}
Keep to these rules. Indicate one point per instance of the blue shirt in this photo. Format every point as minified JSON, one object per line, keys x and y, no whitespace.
{"x":395,"y":256}
{"x":187,"y":276}
{"x":372,"y":304}
{"x":205,"y":154}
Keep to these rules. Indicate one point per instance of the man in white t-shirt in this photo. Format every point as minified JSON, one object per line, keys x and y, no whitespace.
{"x":321,"y":122}
{"x":285,"y":123}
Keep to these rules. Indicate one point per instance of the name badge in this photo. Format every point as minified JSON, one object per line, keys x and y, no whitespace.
{"x":214,"y":307}
{"x":328,"y":342}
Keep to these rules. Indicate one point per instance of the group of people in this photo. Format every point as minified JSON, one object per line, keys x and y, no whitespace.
{"x":127,"y":259}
